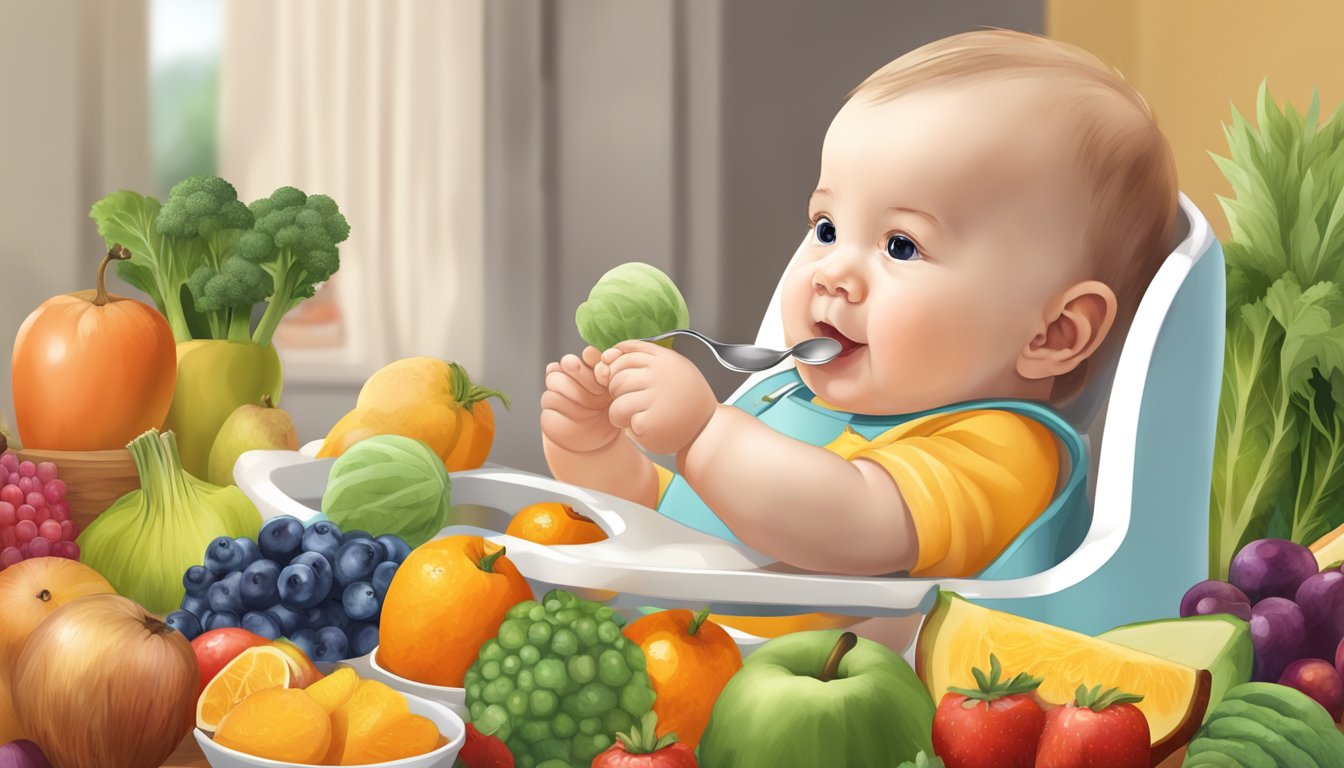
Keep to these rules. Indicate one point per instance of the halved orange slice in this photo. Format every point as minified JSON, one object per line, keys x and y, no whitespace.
{"x":958,"y":635}
{"x":255,"y":669}
{"x":1329,"y":549}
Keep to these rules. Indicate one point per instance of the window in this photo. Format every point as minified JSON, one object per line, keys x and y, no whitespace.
{"x":184,"y":89}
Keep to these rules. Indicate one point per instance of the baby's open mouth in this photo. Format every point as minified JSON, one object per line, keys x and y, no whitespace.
{"x":847,"y":345}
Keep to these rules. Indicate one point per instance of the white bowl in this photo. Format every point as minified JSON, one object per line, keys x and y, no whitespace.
{"x":452,"y":698}
{"x":450,"y":725}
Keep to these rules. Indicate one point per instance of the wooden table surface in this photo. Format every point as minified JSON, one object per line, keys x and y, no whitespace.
{"x":188,"y":755}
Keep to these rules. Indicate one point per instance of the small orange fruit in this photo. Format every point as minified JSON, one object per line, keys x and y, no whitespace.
{"x":551,"y":522}
{"x":689,"y":661}
{"x":447,"y":599}
{"x":394,"y":738}
{"x":335,"y":689}
{"x":375,"y":725}
{"x":255,"y":669}
{"x":279,"y":724}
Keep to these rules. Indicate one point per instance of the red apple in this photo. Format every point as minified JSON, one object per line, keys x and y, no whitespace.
{"x":216,"y":648}
{"x":304,"y":672}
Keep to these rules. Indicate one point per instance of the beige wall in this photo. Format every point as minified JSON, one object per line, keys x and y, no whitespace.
{"x":1191,"y":58}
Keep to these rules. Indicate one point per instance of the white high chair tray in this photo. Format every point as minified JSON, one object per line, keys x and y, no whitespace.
{"x":648,"y":559}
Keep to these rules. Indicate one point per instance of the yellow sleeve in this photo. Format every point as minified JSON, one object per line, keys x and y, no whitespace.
{"x":665,"y":476}
{"x":972,"y":481}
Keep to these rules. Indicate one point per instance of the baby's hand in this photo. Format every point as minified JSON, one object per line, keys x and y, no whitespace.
{"x":574,"y":406}
{"x":658,"y":396}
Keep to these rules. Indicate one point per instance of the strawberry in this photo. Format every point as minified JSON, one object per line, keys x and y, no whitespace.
{"x":1100,"y":729}
{"x":996,"y":725}
{"x":481,"y":751}
{"x":641,"y":748}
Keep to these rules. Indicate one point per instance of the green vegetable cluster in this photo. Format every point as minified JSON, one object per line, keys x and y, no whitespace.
{"x":206,"y":259}
{"x":389,"y":484}
{"x":632,"y":301}
{"x":559,"y":682}
{"x":923,"y":760}
{"x":1279,"y":456}
{"x":1262,"y":724}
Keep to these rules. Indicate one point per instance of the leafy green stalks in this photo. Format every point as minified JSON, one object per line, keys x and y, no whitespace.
{"x":1279,"y":451}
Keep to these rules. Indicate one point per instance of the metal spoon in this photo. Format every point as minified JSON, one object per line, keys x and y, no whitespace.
{"x":749,"y":358}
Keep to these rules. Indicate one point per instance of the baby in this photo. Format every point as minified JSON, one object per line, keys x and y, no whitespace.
{"x":989,"y":211}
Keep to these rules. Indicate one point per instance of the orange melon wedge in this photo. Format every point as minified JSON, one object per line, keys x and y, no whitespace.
{"x":958,"y":635}
{"x":1329,"y":549}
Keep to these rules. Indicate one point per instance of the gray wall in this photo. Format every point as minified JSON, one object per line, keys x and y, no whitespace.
{"x":683,"y":133}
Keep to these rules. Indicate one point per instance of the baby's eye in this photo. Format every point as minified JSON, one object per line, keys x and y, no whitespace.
{"x":825,"y":231}
{"x":902,"y":248}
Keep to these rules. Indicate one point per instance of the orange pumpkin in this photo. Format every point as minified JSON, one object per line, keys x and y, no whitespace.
{"x":689,"y":661}
{"x":551,"y":522}
{"x":449,"y":596}
{"x":92,"y":371}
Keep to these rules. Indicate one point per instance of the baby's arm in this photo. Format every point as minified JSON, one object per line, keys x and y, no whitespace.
{"x":802,"y":504}
{"x":581,"y":444}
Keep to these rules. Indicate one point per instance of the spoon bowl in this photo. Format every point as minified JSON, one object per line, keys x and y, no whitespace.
{"x":750,"y":358}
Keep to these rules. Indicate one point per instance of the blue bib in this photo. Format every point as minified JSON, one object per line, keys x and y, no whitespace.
{"x":784,"y":403}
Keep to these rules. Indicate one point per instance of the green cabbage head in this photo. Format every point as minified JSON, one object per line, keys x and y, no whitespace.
{"x":389,"y":484}
{"x":632,"y":301}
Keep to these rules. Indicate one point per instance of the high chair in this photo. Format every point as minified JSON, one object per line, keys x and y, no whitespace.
{"x":1123,"y":547}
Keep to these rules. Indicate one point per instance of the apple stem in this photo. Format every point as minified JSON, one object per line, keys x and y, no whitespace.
{"x":697,"y":620}
{"x":267,"y":402}
{"x":844,"y":645}
{"x":116,"y":253}
{"x":487,"y":563}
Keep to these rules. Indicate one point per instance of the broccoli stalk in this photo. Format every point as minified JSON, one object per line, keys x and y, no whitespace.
{"x":159,"y":265}
{"x":293,"y":241}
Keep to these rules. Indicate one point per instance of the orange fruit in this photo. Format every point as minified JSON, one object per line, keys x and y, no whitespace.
{"x":394,"y":738}
{"x":551,"y":522}
{"x":689,"y":661}
{"x":279,"y":724}
{"x":447,"y":599}
{"x":255,"y":669}
{"x":375,"y":725}
{"x":335,"y":689}
{"x":775,"y":626}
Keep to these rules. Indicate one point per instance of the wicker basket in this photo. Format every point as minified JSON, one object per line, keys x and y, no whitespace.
{"x":93,"y":479}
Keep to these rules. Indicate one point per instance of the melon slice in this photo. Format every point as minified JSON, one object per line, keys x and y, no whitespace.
{"x":959,"y":635}
{"x":1329,"y":549}
{"x":1219,"y":643}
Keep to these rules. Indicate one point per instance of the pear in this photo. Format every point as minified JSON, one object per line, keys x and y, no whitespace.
{"x":250,"y":428}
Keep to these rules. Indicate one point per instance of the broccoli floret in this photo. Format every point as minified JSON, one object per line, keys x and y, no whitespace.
{"x":206,"y":209}
{"x":293,"y":238}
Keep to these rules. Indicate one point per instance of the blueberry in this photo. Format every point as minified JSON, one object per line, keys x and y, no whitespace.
{"x":225,"y":594}
{"x":312,"y":617}
{"x":306,"y":639}
{"x":323,"y":538}
{"x":358,"y":534}
{"x":222,"y":620}
{"x":397,"y":549}
{"x":281,"y":538}
{"x":356,"y":561}
{"x":360,"y":601}
{"x":260,"y":585}
{"x":332,"y":645}
{"x":382,"y":577}
{"x":263,"y":624}
{"x":223,"y":556}
{"x":333,"y":615}
{"x":251,"y":552}
{"x":321,"y":568}
{"x":197,"y":580}
{"x":363,"y":639}
{"x":196,"y":606}
{"x":184,"y":622}
{"x":289,"y":620}
{"x":298,"y":587}
{"x":205,"y":618}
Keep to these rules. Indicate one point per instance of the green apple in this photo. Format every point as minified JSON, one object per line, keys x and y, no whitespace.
{"x":250,"y":428}
{"x":822,"y":698}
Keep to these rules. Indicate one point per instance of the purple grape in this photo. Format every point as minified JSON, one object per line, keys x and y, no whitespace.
{"x":1279,"y":634}
{"x":22,"y":754}
{"x":1319,"y":680}
{"x":1271,"y":568}
{"x":1213,"y":596}
{"x":1321,"y":599}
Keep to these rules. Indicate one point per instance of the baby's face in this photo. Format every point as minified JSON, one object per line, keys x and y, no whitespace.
{"x":944,"y":225}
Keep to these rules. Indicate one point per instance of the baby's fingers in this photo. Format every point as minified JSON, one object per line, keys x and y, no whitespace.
{"x":582,"y":373}
{"x":567,"y":386}
{"x":624,"y":408}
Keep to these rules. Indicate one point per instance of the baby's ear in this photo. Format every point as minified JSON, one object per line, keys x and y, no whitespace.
{"x":1076,"y":323}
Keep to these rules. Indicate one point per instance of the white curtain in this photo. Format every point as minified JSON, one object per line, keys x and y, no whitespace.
{"x":380,"y":105}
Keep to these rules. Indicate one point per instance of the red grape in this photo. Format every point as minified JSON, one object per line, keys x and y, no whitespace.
{"x":12,"y":494}
{"x":27,"y":469}
{"x":10,"y":556}
{"x":50,"y":530}
{"x":67,"y":549}
{"x":8,"y":516}
{"x":8,"y":538}
{"x":67,"y":530}
{"x":54,"y":490}
{"x":24,"y":550}
{"x":42,"y":515}
{"x":40,"y":547}
{"x":35,"y":500}
{"x":10,"y":462}
{"x":4,"y":475}
{"x":1319,"y":680}
{"x":60,"y":510}
{"x":25,"y":530}
{"x":25,"y":512}
{"x":46,"y":472}
{"x":28,"y":484}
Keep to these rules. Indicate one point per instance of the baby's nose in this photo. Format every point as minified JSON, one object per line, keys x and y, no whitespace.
{"x":838,"y":278}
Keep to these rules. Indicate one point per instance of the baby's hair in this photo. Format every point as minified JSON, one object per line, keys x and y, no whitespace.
{"x":1124,"y":157}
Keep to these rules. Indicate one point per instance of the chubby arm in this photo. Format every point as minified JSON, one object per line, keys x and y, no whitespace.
{"x":799,"y":503}
{"x":581,"y":444}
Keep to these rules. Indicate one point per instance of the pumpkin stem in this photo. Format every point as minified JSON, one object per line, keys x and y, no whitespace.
{"x":467,"y":393}
{"x":117,"y":252}
{"x":487,"y":563}
{"x":843,"y":645}
{"x":697,"y":620}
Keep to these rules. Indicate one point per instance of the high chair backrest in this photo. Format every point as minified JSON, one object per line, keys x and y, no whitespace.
{"x":1156,"y":407}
